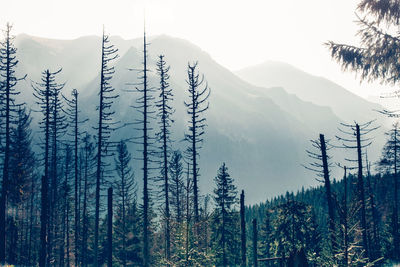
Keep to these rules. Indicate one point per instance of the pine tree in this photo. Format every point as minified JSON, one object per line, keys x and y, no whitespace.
{"x":8,"y":92}
{"x":376,"y":57}
{"x":105,"y":125}
{"x":295,"y":228}
{"x":225,"y":197}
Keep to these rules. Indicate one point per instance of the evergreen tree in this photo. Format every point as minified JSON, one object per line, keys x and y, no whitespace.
{"x":225,"y":218}
{"x":177,"y":186}
{"x":125,"y":197}
{"x":376,"y":57}
{"x":266,"y":231}
{"x":295,"y":228}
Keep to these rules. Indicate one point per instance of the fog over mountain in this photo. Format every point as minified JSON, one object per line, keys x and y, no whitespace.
{"x":260,"y":120}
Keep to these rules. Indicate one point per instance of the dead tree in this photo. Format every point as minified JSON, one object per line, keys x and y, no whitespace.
{"x":355,"y":137}
{"x":196,"y":106}
{"x":164,"y":112}
{"x":109,"y":226}
{"x":390,"y":161}
{"x":375,"y":243}
{"x":73,"y":115}
{"x":42,"y":92}
{"x":144,"y":106}
{"x":9,"y":107}
{"x":242,"y":229}
{"x":57,"y":131}
{"x":321,"y":166}
{"x":105,"y":125}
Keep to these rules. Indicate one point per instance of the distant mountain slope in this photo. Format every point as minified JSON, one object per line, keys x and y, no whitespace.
{"x":317,"y":90}
{"x":260,"y":133}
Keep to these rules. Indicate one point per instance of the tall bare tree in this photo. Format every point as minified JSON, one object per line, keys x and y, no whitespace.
{"x":43,"y":91}
{"x":164,"y":112}
{"x":196,"y":107}
{"x":105,"y":125}
{"x":9,"y":107}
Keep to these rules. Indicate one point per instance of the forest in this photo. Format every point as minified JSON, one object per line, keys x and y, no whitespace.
{"x":71,"y":196}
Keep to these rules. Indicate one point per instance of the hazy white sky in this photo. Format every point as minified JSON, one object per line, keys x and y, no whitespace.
{"x":237,"y":33}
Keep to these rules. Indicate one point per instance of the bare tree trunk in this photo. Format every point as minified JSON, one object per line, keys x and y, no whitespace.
{"x":109,"y":227}
{"x":331,"y":222}
{"x":255,"y":260}
{"x":243,"y":229}
{"x":360,"y":186}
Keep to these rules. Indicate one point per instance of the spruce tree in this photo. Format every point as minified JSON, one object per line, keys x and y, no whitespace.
{"x":225,"y":197}
{"x":177,"y":186}
{"x":125,"y":191}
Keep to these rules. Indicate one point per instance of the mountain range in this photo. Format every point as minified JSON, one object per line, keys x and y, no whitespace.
{"x":260,"y":118}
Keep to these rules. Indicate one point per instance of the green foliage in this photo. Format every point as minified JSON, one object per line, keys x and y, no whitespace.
{"x":225,"y":220}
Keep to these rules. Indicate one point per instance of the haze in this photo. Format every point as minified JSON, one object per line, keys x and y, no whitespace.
{"x":235,"y":33}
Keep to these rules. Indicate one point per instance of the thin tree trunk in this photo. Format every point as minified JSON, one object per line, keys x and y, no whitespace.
{"x":345,"y":226}
{"x":4,"y":186}
{"x":255,"y":260}
{"x":109,"y":227}
{"x":187,"y":217}
{"x":361,"y":195}
{"x":146,"y":252}
{"x":331,"y":222}
{"x":243,"y":229}
{"x":44,"y":188}
{"x":396,"y":238}
{"x":99,"y":158}
{"x":84,"y":212}
{"x":77,"y":219}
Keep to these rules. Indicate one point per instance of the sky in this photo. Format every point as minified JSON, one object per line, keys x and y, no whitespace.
{"x":236,"y":33}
